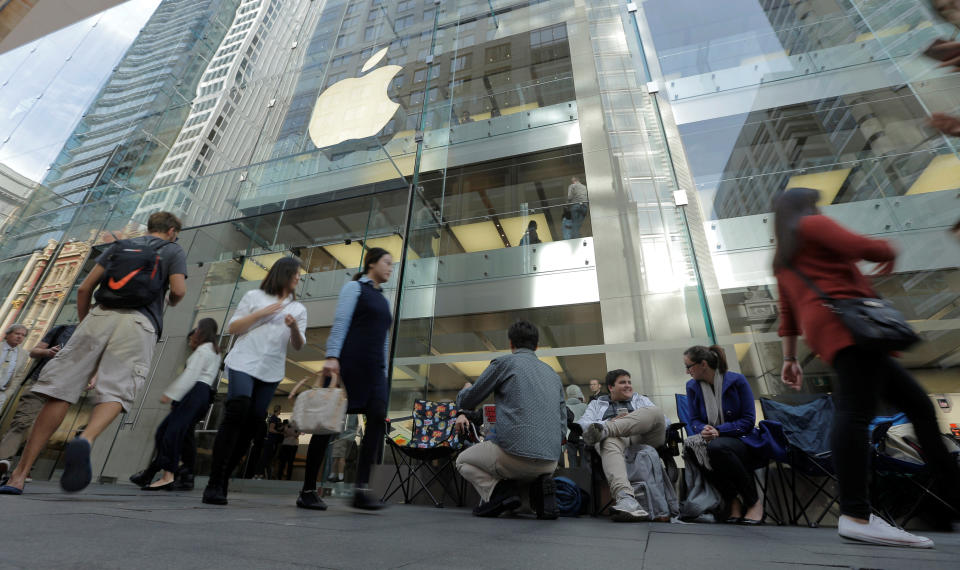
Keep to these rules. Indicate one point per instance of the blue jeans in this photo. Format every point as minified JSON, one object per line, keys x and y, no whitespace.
{"x":259,"y":392}
{"x":570,"y":227}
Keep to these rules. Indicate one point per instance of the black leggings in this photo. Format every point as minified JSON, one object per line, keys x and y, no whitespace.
{"x":732,"y":475}
{"x":864,"y":377}
{"x":370,"y":446}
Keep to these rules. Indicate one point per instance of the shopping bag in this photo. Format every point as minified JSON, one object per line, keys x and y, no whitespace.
{"x":320,"y":410}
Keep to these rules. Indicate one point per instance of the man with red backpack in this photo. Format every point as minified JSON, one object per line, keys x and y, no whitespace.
{"x":114,"y":343}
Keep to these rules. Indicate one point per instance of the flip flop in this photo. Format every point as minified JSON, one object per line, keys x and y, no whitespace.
{"x":8,"y":490}
{"x":77,"y":471}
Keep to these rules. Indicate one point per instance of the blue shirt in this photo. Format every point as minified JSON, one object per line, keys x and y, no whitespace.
{"x":346,"y":305}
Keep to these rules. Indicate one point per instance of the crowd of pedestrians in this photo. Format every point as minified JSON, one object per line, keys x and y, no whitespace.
{"x":109,"y":352}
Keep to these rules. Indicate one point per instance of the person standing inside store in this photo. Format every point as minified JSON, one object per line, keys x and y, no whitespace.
{"x":288,"y":450}
{"x":357,"y":352}
{"x":113,"y":342}
{"x":30,"y":403}
{"x":596,"y":389}
{"x":267,"y":320}
{"x":577,"y":207}
{"x":271,"y":444}
{"x":191,"y":395}
{"x":827,"y":254}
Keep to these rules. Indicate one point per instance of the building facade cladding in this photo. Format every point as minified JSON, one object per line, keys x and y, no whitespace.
{"x":127,"y":130}
{"x":718,"y":106}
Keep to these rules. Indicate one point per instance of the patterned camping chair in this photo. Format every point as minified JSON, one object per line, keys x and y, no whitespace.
{"x":427,"y":458}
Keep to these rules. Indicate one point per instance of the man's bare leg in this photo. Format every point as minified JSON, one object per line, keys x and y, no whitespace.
{"x":102,"y":416}
{"x":49,"y":419}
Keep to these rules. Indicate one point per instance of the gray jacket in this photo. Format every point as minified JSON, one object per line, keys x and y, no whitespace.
{"x":531,"y":414}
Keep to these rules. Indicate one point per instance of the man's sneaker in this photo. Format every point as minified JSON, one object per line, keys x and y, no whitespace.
{"x":77,"y":471}
{"x":595,"y":434}
{"x":504,"y":498}
{"x":627,"y":509}
{"x":880,"y":532}
{"x":311,"y":500}
{"x":543,"y":498}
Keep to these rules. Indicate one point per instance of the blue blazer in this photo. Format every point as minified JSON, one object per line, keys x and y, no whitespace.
{"x":739,"y":413}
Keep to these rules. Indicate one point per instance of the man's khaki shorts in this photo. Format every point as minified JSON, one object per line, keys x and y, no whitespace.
{"x":116,"y":345}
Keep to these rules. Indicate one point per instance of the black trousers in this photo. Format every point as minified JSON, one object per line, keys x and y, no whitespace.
{"x":732,"y":474}
{"x":174,"y":438}
{"x":866,"y":376}
{"x":370,"y":446}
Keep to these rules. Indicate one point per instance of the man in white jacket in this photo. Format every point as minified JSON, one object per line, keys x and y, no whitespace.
{"x":613,"y":423}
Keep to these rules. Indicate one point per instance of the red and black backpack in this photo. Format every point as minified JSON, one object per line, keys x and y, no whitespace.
{"x":132,"y":275}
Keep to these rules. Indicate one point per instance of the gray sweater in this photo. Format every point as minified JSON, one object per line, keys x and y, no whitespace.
{"x":531,"y":413}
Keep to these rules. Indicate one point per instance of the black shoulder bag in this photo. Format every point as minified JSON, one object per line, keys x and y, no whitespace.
{"x":874,"y":323}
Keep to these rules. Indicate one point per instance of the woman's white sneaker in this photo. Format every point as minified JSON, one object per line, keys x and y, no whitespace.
{"x":880,"y":532}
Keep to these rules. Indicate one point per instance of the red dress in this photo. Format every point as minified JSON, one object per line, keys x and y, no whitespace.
{"x":827,"y":254}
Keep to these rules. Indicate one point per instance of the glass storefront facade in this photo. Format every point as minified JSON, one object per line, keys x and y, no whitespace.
{"x":682,"y":119}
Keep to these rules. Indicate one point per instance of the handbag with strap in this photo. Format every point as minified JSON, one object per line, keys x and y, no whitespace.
{"x":320,"y":410}
{"x":873,"y":322}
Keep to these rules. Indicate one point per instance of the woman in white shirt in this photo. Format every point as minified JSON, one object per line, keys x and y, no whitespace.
{"x":265,"y":322}
{"x":191,"y":394}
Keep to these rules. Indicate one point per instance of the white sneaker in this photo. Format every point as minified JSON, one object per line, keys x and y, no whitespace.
{"x":880,"y":532}
{"x":627,"y":509}
{"x":595,"y":434}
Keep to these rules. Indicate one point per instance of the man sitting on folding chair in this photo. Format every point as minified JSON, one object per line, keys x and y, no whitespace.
{"x":612,"y":424}
{"x":531,"y":422}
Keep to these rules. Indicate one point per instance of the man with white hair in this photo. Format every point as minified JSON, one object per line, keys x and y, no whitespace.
{"x":13,"y":362}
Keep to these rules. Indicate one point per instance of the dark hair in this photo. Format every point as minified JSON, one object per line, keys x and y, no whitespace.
{"x":788,"y":209}
{"x":163,"y":222}
{"x":524,"y":334}
{"x":612,"y":376}
{"x":714,"y":356}
{"x":532,"y":225}
{"x":373,"y":256}
{"x":280,"y":275}
{"x":208,"y":333}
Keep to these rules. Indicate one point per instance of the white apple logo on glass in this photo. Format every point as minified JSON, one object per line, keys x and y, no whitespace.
{"x":354,"y":108}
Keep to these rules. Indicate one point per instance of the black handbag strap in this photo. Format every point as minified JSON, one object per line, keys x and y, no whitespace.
{"x":813,"y":286}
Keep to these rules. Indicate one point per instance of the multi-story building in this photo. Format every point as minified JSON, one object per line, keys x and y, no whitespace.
{"x":447,"y":129}
{"x":15,"y":190}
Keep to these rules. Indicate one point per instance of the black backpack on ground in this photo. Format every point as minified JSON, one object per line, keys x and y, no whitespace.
{"x":132,"y":276}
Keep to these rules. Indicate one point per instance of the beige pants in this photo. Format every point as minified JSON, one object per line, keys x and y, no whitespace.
{"x":485,"y":465}
{"x":27,"y":411}
{"x":644,"y":426}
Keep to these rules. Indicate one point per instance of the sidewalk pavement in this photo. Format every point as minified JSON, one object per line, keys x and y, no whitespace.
{"x":119,"y":526}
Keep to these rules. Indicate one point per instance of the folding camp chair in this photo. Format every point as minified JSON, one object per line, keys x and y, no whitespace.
{"x":770,"y":507}
{"x":428,"y":457}
{"x":898,"y":459}
{"x":807,"y":427}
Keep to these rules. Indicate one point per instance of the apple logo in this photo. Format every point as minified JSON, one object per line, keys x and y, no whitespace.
{"x":354,"y":108}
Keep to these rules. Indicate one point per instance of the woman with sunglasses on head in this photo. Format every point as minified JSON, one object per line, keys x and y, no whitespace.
{"x":191,"y":394}
{"x":266,"y":321}
{"x":721,"y":412}
{"x":812,"y":247}
{"x":357,"y":353}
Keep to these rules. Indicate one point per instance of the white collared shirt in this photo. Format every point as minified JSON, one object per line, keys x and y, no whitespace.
{"x":261,"y":352}
{"x":202,"y":366}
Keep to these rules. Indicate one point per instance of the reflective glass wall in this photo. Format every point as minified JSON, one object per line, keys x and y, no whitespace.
{"x":520,"y":160}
